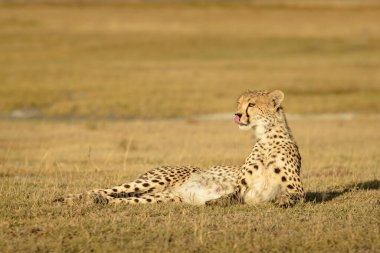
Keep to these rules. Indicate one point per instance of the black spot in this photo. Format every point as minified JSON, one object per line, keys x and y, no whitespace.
{"x":243,"y":182}
{"x":138,"y":181}
{"x":290,"y":186}
{"x":155,"y":181}
{"x":250,"y":172}
{"x":159,"y":201}
{"x":136,"y":200}
{"x":256,"y":167}
{"x":114,"y":190}
{"x":148,"y":200}
{"x":277,"y":170}
{"x":168,"y":179}
{"x":137,"y":189}
{"x":127,"y":186}
{"x":283,"y":179}
{"x":145,"y":184}
{"x":161,"y":183}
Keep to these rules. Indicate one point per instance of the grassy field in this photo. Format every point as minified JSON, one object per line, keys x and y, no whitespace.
{"x":147,"y":60}
{"x":41,"y":160}
{"x":102,"y":61}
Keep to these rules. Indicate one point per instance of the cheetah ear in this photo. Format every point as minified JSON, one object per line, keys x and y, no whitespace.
{"x":277,"y":98}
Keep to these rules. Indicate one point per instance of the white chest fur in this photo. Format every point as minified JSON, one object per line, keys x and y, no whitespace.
{"x":265,"y":187}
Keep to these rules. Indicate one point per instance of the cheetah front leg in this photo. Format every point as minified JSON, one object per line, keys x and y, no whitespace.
{"x":292,"y":195}
{"x":286,"y":200}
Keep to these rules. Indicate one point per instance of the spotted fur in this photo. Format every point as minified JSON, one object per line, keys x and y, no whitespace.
{"x":270,"y":173}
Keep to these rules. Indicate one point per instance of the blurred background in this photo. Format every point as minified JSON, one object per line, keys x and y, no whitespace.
{"x":163,"y":59}
{"x":62,"y":61}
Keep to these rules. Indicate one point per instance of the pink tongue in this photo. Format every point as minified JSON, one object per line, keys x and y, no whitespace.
{"x":237,"y":119}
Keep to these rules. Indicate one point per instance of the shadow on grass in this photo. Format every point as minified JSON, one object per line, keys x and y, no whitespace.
{"x":319,"y":197}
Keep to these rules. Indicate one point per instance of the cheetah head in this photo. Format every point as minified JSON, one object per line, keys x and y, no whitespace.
{"x":258,"y":108}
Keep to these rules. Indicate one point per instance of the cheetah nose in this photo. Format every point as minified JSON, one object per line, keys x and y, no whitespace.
{"x":237,"y":118}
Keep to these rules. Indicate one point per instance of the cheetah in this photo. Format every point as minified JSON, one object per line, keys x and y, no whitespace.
{"x":271,"y":173}
{"x":221,"y":185}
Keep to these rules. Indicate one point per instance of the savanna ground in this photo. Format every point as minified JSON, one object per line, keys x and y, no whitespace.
{"x":103,"y":63}
{"x":43,"y":160}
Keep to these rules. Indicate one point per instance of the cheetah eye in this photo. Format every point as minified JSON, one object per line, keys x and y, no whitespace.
{"x":251,"y":104}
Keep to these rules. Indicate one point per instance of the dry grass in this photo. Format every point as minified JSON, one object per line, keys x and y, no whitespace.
{"x":125,"y":59}
{"x":41,"y":160}
{"x":147,"y":60}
